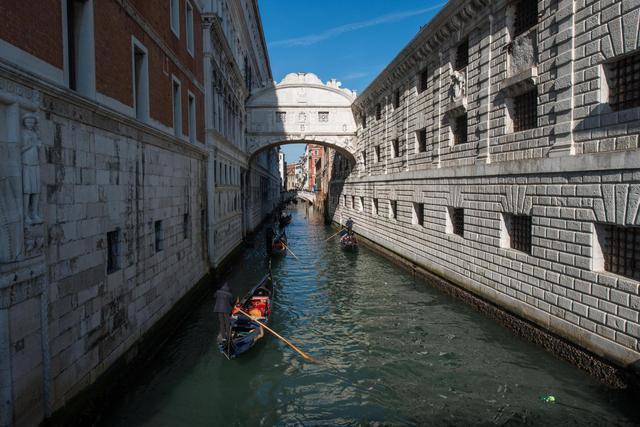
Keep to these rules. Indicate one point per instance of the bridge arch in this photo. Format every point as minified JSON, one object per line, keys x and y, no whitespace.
{"x":302,"y":109}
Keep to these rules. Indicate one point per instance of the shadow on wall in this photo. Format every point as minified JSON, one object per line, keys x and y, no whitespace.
{"x":341,"y":168}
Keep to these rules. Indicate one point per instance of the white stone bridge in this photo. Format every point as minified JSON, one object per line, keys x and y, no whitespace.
{"x":302,"y":109}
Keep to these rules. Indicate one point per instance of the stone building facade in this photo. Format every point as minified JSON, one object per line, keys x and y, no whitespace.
{"x":499,"y":149}
{"x":236,"y":62}
{"x":121,"y":163}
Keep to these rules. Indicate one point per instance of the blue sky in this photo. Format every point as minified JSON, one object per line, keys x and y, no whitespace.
{"x":350,"y":40}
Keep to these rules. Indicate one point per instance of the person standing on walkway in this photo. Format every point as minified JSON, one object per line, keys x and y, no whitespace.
{"x":224,"y":302}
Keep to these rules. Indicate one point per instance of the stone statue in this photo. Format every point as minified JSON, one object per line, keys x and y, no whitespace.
{"x":458,"y":85}
{"x":31,"y":169}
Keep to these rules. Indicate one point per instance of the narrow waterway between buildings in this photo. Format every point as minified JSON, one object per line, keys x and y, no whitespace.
{"x":394,"y":351}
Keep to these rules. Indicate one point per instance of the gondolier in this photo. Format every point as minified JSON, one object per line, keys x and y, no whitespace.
{"x":349,"y":225}
{"x":224,"y":302}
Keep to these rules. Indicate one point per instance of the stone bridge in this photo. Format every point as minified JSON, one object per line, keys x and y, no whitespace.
{"x":309,"y":196}
{"x":302,"y":109}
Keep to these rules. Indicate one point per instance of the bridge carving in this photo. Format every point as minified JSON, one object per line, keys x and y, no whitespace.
{"x":302,"y":109}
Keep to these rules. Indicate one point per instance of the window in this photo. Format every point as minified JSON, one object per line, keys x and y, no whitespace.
{"x":624,"y":82}
{"x":376,"y":151}
{"x":189,"y":18}
{"x":374,"y":207}
{"x":159,"y":235}
{"x":393,"y":209}
{"x":421,"y":139}
{"x":378,"y":111}
{"x":113,"y":251}
{"x":281,"y":117}
{"x":174,"y":13}
{"x":364,"y":158}
{"x":423,"y":81}
{"x":525,"y":109}
{"x":323,"y":116}
{"x":140,"y":81}
{"x":80,"y":47}
{"x":460,"y":130}
{"x":418,"y":214}
{"x":620,"y":248}
{"x":186,"y":226}
{"x":395,"y":147}
{"x":353,"y":202}
{"x":177,"y":108}
{"x":361,"y":206}
{"x":462,"y":54}
{"x":455,"y":221}
{"x":396,"y":98}
{"x":192,"y":119}
{"x":364,"y":121}
{"x":344,"y":200}
{"x":526,"y":16}
{"x":518,"y":228}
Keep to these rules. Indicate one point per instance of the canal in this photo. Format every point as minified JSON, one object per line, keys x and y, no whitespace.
{"x":394,"y":351}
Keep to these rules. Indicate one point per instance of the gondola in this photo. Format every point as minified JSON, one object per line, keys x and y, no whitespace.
{"x":279,"y":244}
{"x":285,"y":220}
{"x":244,"y":332}
{"x":348,"y":240}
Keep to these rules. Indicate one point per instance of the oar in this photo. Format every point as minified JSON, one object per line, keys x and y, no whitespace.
{"x":286,"y":341}
{"x":287,"y":247}
{"x":326,"y":240}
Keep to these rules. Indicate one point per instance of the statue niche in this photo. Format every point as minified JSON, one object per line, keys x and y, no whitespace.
{"x":31,"y":169}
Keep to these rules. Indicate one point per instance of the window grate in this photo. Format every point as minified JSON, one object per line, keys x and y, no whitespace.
{"x":462,"y":55}
{"x":622,"y":251}
{"x":378,"y":111}
{"x":460,"y":130}
{"x":393,"y":206}
{"x":520,"y":233}
{"x":526,"y":16}
{"x":396,"y":98}
{"x":418,"y":209}
{"x":364,"y":121}
{"x":375,"y":206}
{"x":422,"y":140}
{"x":396,"y":147}
{"x":457,"y":221}
{"x":377,"y":153}
{"x":323,"y":116}
{"x":624,"y":83}
{"x":113,"y":248}
{"x":525,"y":111}
{"x":353,"y":202}
{"x":424,"y":80}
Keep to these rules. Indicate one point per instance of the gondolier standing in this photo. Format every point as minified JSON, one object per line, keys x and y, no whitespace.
{"x":224,"y":302}
{"x":349,"y":225}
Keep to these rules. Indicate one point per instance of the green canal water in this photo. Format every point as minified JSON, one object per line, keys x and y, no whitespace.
{"x":394,"y":351}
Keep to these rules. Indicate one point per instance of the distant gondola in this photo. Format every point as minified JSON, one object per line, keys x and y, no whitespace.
{"x":244,"y":332}
{"x":279,"y":244}
{"x":348,"y":240}
{"x":285,"y":220}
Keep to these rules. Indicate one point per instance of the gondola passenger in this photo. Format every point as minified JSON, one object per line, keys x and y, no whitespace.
{"x":224,"y":303}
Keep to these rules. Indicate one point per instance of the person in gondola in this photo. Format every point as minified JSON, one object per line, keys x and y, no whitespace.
{"x":224,"y":303}
{"x":349,"y":225}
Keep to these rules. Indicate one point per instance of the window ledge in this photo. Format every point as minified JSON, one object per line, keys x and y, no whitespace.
{"x":521,"y":82}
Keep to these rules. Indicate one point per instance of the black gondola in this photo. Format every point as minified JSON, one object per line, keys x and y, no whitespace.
{"x":245,"y":332}
{"x":285,"y":220}
{"x":348,"y":240}
{"x":279,"y":244}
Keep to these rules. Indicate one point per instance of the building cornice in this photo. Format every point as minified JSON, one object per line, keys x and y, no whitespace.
{"x":452,"y":18}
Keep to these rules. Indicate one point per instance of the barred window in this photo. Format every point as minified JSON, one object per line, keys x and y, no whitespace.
{"x":364,"y":120}
{"x":462,"y":55}
{"x":526,"y":16}
{"x":159,"y":236}
{"x":377,"y":153}
{"x":361,"y":206}
{"x":421,"y":137}
{"x":460,"y":130}
{"x":418,"y":213}
{"x":378,"y":111}
{"x":281,"y":116}
{"x":624,"y":82}
{"x":395,"y":147}
{"x":457,"y":221}
{"x":364,"y":159}
{"x":525,"y":108}
{"x":323,"y":116}
{"x":396,"y":98}
{"x":186,"y":222}
{"x":374,"y":207}
{"x":424,"y":80}
{"x":393,"y":209}
{"x":621,"y":250}
{"x":519,"y":229}
{"x":353,"y":202}
{"x":113,"y":251}
{"x":344,"y":200}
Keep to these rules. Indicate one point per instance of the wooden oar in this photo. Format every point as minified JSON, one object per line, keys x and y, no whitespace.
{"x":326,"y":240}
{"x":286,"y":341}
{"x":287,"y":247}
